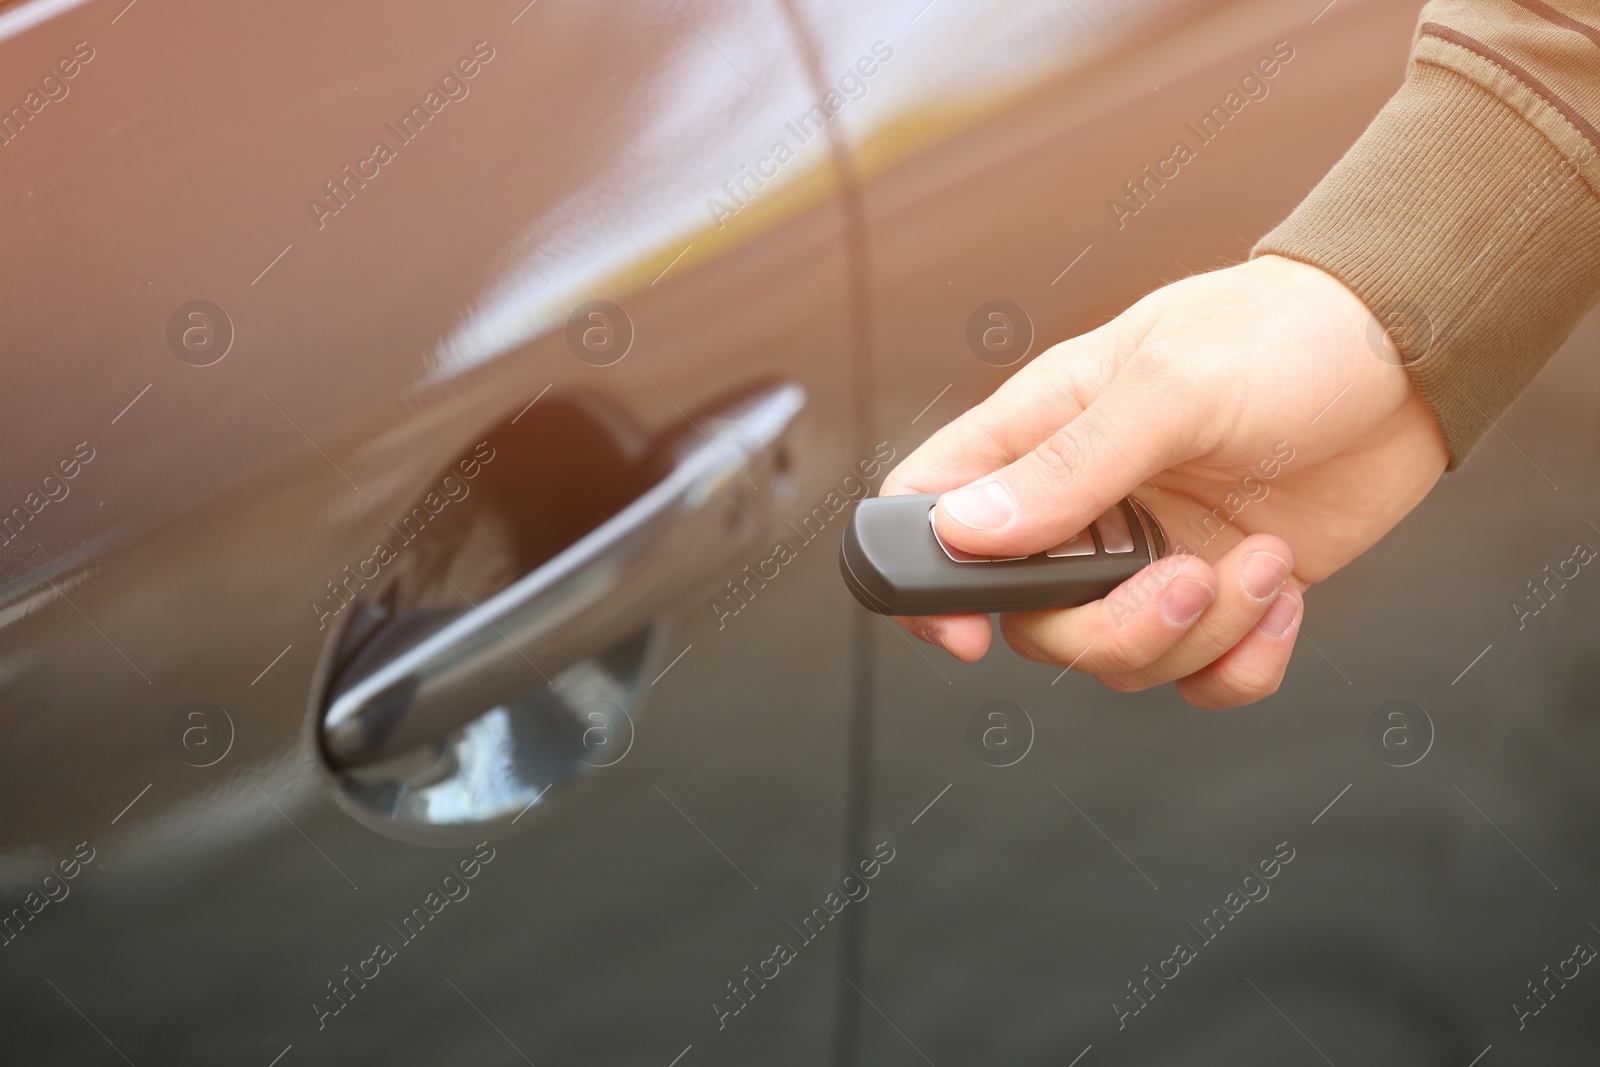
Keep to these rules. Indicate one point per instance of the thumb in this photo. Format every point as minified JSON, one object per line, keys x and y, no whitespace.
{"x":1065,"y":482}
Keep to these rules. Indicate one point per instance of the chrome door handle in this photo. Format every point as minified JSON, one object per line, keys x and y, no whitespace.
{"x":610,"y":583}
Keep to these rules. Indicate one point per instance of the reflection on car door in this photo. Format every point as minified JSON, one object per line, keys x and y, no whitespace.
{"x":339,"y":316}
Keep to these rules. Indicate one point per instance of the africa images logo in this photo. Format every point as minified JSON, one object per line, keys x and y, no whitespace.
{"x":852,"y":85}
{"x":345,"y":587}
{"x":453,"y":85}
{"x":350,"y":981}
{"x":744,"y":987}
{"x":742,"y":589}
{"x":53,"y":88}
{"x":1253,"y":86}
{"x":1252,"y":888}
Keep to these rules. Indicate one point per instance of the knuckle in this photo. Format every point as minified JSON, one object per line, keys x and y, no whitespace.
{"x":1022,"y":641}
{"x":1117,"y":657}
{"x":1062,"y":454}
{"x":1037,"y":637}
{"x":1245,"y":684}
{"x":1134,"y":596}
{"x":1031,"y":652}
{"x":1121,"y":646}
{"x":1124,"y":683}
{"x":1206,"y":698}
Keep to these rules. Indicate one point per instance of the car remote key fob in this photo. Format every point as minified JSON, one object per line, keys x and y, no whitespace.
{"x":895,"y":564}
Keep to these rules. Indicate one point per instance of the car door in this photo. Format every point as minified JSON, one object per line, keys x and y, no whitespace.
{"x":499,"y":337}
{"x":1083,"y":876}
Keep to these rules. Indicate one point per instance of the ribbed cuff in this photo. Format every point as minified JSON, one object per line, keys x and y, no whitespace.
{"x":1467,"y":232}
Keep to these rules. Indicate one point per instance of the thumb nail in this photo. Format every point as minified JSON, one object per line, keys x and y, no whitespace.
{"x":981,"y":506}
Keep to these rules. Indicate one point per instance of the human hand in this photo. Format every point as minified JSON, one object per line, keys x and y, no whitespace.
{"x":1250,"y":410}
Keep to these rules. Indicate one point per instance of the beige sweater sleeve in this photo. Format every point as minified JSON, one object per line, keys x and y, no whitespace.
{"x":1467,"y":216}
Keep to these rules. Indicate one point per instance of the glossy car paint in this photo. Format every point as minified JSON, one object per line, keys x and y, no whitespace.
{"x":187,"y":557}
{"x":372,"y":350}
{"x":1420,"y":904}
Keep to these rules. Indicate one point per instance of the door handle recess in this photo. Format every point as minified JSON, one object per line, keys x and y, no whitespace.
{"x":724,"y":476}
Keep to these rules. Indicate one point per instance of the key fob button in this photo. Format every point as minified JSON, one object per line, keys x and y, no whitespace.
{"x":1079,"y":544}
{"x":1114,"y":532}
{"x":954,"y":553}
{"x":892,"y":560}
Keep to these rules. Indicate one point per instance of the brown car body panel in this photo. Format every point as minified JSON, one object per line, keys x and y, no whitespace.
{"x":373,"y":345}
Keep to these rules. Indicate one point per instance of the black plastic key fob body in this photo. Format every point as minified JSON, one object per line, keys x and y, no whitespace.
{"x":894,"y":563}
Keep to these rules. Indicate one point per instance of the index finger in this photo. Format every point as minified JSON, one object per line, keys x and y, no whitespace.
{"x":1043,"y":396}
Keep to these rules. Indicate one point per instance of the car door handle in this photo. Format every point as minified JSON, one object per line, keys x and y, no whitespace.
{"x":679,"y":535}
